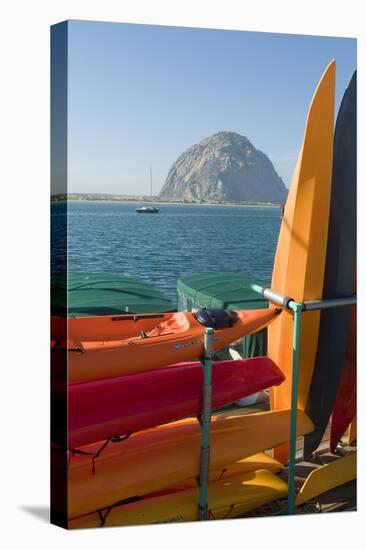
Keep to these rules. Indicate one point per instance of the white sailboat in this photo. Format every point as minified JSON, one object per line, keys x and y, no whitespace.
{"x":148,"y":209}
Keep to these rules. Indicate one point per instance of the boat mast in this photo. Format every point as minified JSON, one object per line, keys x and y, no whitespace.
{"x":150,"y":180}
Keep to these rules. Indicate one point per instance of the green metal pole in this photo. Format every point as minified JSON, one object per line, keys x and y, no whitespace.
{"x":206,"y":424}
{"x":297,"y":309}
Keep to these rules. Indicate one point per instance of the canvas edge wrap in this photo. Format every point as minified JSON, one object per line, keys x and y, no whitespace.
{"x":58,"y":107}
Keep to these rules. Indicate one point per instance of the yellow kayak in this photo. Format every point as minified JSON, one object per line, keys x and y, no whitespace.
{"x":155,"y":459}
{"x":259,"y":461}
{"x":227,"y":498}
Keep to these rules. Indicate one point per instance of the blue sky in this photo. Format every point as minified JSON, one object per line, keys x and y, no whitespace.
{"x":141,"y":95}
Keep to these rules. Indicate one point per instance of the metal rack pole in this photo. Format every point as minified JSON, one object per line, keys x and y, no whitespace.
{"x":206,"y":424}
{"x":297,"y":309}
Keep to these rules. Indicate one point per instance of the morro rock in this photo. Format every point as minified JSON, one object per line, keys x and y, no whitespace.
{"x":224,"y":167}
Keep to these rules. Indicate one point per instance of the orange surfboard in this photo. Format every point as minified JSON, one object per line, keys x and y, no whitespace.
{"x":299,"y":264}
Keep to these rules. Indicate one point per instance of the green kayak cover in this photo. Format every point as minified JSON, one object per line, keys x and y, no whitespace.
{"x":221,"y":290}
{"x":225,"y":291}
{"x":90,"y":294}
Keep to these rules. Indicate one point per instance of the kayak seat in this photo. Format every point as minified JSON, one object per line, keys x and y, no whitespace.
{"x":216,"y":318}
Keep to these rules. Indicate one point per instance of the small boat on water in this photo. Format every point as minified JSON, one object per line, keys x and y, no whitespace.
{"x":147,"y":210}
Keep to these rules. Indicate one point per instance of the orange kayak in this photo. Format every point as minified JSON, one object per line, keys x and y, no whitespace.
{"x":103,"y":327}
{"x":155,"y":459}
{"x":154,"y":342}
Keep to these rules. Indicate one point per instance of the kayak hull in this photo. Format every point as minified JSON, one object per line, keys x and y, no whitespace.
{"x":103,"y":327}
{"x":104,"y":408}
{"x":228,"y":498}
{"x":178,"y":338}
{"x":155,"y":459}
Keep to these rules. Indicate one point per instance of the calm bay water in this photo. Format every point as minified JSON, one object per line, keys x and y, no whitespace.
{"x":160,"y":248}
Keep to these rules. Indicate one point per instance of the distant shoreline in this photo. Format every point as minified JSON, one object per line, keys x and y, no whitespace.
{"x":76,"y":197}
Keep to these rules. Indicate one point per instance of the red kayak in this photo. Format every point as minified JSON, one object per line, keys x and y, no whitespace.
{"x":101,"y":409}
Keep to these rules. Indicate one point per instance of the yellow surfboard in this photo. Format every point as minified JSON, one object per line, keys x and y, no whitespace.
{"x":328,"y":477}
{"x":153,"y":460}
{"x":227,"y":498}
{"x":299,"y":264}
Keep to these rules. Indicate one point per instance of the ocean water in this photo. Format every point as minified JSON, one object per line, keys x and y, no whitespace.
{"x":159,"y":248}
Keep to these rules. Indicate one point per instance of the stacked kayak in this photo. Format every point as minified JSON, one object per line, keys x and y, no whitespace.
{"x":97,"y":412}
{"x":149,"y":461}
{"x":130,"y":344}
{"x":124,"y":400}
{"x":229,"y":498}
